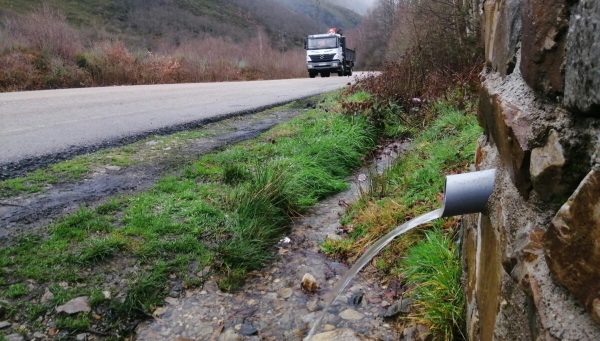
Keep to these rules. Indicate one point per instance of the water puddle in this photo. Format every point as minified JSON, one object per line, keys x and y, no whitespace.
{"x":272,"y":305}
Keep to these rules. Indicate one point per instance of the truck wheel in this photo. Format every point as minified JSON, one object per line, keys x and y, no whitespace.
{"x":341,"y":72}
{"x":349,"y":73}
{"x":325,"y":74}
{"x":312,"y":74}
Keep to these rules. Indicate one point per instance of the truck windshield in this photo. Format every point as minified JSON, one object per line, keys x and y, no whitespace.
{"x":322,"y":43}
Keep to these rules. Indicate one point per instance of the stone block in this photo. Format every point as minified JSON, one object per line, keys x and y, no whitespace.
{"x":544,"y":37}
{"x":573,"y":244}
{"x":546,"y":167}
{"x":509,"y":129}
{"x":501,"y":34}
{"x":582,"y":74}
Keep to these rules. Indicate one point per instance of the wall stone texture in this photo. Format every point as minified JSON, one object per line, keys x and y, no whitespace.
{"x":582,"y":85}
{"x":532,"y":259}
{"x":545,"y":26}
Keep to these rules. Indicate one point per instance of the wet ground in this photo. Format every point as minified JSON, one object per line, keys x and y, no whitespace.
{"x":272,"y":305}
{"x":27,"y":213}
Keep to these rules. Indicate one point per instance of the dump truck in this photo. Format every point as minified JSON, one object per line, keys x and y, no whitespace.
{"x":327,"y":53}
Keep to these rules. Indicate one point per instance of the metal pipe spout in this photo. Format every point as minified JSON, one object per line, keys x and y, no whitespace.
{"x":468,"y":193}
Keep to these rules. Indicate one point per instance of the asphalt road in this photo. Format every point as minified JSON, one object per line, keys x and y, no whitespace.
{"x":35,"y":124}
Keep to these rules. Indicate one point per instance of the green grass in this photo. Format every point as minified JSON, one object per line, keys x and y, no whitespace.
{"x":75,"y":324}
{"x":226,"y":211}
{"x":16,"y":290}
{"x":432,"y":269}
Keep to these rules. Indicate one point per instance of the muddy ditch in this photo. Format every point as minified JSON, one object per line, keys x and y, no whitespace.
{"x":272,"y":305}
{"x":28,"y":213}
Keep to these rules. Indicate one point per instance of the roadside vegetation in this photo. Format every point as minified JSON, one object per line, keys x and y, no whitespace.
{"x":426,"y":260}
{"x":220,"y":216}
{"x":150,"y":150}
{"x":426,"y":93}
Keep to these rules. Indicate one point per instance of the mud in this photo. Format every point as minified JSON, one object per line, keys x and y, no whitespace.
{"x":27,"y":213}
{"x":272,"y":305}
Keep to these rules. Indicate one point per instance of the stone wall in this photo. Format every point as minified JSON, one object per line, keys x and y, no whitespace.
{"x":532,"y":260}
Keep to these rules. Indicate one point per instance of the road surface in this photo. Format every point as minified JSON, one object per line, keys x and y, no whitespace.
{"x":35,"y":124}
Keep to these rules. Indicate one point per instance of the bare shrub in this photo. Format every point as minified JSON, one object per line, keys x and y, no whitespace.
{"x":424,"y":48}
{"x":41,"y":51}
{"x":45,"y":29}
{"x":17,"y":72}
{"x":110,"y":63}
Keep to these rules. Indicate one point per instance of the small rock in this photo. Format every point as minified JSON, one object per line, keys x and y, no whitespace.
{"x":81,"y":337}
{"x":152,"y":143}
{"x":328,"y":327}
{"x":172,"y":301}
{"x":351,"y":314}
{"x":5,"y":324}
{"x":251,"y":302}
{"x":74,"y":306}
{"x":106,"y":294}
{"x":356,"y":298}
{"x":15,"y":337}
{"x":401,"y":306}
{"x":229,"y":335}
{"x":39,"y":336}
{"x":309,"y":283}
{"x":373,"y":299}
{"x":63,"y":285}
{"x":248,"y":329}
{"x":237,"y":327}
{"x":113,"y":168}
{"x":285,"y":293}
{"x":338,"y":335}
{"x":546,"y":166}
{"x":176,"y":290}
{"x":312,"y":305}
{"x":159,"y":311}
{"x":333,"y":236}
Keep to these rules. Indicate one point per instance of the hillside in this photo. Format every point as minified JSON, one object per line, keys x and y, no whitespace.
{"x":148,"y":23}
{"x":48,"y":44}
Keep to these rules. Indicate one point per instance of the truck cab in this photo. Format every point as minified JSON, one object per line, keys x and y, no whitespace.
{"x":327,"y":53}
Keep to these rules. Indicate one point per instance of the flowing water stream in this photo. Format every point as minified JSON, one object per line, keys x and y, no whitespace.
{"x":368,"y":256}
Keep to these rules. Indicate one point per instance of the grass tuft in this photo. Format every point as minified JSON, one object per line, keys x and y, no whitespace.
{"x":432,"y":268}
{"x":16,"y":291}
{"x":100,"y":248}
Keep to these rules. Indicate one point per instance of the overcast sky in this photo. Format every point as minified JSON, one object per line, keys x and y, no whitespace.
{"x":359,"y":6}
